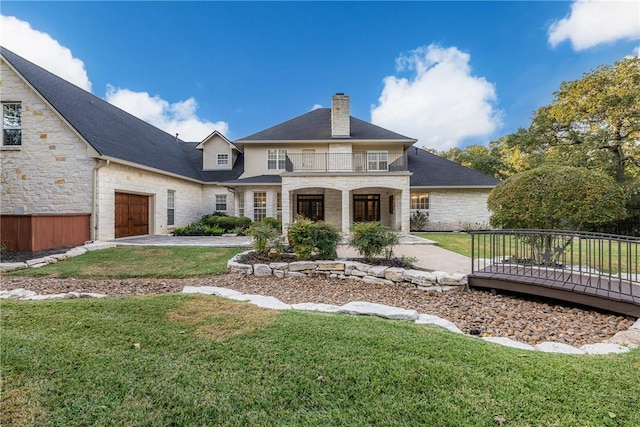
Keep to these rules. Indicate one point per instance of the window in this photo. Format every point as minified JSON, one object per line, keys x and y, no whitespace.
{"x":259,"y":206}
{"x":366,"y":207}
{"x":240,"y":198}
{"x":276,"y":159}
{"x":11,"y":123}
{"x":311,"y":206}
{"x":223,"y":159}
{"x":377,"y":160}
{"x":279,"y":206}
{"x":171,"y":207}
{"x":221,"y":202}
{"x":419,"y":201}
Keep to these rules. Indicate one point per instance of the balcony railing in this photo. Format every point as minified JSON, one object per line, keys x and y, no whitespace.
{"x":357,"y":162}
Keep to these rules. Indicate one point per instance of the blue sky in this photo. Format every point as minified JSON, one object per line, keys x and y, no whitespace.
{"x":448,"y":73}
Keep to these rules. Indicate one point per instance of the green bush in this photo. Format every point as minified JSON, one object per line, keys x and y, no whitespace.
{"x":419,"y":221}
{"x":265,"y":238}
{"x":315,"y":240}
{"x":274,"y":223}
{"x":372,"y":239}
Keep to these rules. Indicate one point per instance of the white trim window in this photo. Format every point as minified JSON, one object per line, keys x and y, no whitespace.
{"x":276,"y":159}
{"x":377,"y":160}
{"x":11,"y":123}
{"x":222,"y":159}
{"x":419,"y":201}
{"x":240,"y":199}
{"x":221,"y":202}
{"x":259,"y":206}
{"x":171,"y":207}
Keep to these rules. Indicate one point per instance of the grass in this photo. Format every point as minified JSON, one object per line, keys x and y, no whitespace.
{"x":195,"y":360}
{"x":455,"y":242}
{"x":136,"y":261}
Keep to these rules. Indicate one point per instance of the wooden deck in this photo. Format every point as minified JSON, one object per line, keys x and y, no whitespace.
{"x":600,"y":291}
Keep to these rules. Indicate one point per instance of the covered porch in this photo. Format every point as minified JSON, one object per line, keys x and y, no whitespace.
{"x":341,"y":200}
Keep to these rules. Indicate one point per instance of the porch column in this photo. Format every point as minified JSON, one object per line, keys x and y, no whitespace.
{"x":405,"y":211}
{"x":286,"y":209}
{"x":346,"y":212}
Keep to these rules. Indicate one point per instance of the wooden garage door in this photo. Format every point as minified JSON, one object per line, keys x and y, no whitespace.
{"x":132,"y":215}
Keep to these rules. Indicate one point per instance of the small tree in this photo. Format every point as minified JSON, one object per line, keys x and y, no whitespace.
{"x":265,"y":237}
{"x":556,"y":197}
{"x":372,"y":239}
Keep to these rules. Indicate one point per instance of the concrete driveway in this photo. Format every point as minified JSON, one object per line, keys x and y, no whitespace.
{"x":427,"y":253}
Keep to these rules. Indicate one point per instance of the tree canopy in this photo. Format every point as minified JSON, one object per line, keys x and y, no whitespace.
{"x":556,"y":197}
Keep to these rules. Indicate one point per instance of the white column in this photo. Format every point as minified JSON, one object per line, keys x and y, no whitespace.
{"x":405,"y":211}
{"x":346,"y":212}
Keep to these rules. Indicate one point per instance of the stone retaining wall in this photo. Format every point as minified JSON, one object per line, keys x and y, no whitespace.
{"x":352,"y":270}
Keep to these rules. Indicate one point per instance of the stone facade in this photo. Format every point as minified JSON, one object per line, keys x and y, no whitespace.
{"x":458,"y":209}
{"x":51,"y":172}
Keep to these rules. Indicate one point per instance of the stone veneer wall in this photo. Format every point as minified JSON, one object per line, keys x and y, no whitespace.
{"x":458,"y":209}
{"x":115,"y":177}
{"x":51,"y":172}
{"x":353,"y":270}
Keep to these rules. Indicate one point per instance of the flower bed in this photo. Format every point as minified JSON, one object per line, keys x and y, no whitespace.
{"x":352,"y":270}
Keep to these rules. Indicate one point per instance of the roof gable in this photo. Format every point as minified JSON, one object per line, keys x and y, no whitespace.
{"x":316,"y":126}
{"x":111,"y":132}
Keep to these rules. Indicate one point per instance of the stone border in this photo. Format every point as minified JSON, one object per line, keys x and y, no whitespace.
{"x":41,"y":262}
{"x":352,"y":270}
{"x":621,"y":342}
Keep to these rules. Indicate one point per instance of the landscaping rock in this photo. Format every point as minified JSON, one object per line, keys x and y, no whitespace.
{"x":310,"y":306}
{"x":76,"y":252}
{"x":16,"y":294}
{"x":302,"y":266}
{"x":377,"y":280}
{"x":9,"y":266}
{"x":394,"y":273}
{"x":330,"y":265}
{"x":210,"y":290}
{"x":418,"y":277}
{"x":262,"y":301}
{"x":279,"y":273}
{"x":444,"y":278}
{"x":630,"y":337}
{"x":261,"y":270}
{"x":557,"y":347}
{"x":236,"y":267}
{"x":381,"y":310}
{"x":377,"y":270}
{"x":427,"y":319}
{"x":508,"y":342}
{"x":44,"y":261}
{"x":636,"y":325}
{"x":283,"y":266}
{"x":294,"y":274}
{"x":604,"y":348}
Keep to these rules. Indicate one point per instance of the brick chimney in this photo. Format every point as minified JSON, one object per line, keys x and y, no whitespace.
{"x":340,"y":117}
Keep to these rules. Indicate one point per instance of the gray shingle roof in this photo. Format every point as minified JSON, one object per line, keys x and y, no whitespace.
{"x":316,"y":126}
{"x":111,"y":131}
{"x":430,"y":170}
{"x":260,"y":179}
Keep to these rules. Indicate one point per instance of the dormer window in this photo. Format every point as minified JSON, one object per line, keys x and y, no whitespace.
{"x":11,"y":123}
{"x":223,"y":159}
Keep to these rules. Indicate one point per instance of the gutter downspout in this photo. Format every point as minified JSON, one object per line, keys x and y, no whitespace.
{"x":95,"y":217}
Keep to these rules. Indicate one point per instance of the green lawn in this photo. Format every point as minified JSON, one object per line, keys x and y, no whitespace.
{"x":195,"y":360}
{"x":454,"y":242}
{"x":137,"y":261}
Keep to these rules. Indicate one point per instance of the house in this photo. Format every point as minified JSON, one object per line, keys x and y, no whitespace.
{"x":76,"y":168}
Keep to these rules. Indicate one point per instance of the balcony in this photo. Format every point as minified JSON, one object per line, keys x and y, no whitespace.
{"x":358,"y":162}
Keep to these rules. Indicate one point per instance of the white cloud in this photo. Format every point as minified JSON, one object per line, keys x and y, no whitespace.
{"x":179,"y":117}
{"x":441,"y":104}
{"x":593,"y":22}
{"x":315,"y":107}
{"x":41,"y":49}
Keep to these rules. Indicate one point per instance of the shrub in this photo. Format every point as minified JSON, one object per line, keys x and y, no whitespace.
{"x":372,"y":239}
{"x":273,"y":223}
{"x":418,"y":221}
{"x":310,"y":239}
{"x":265,"y":238}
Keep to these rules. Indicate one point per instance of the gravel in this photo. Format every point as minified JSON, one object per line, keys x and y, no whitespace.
{"x":527,"y":320}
